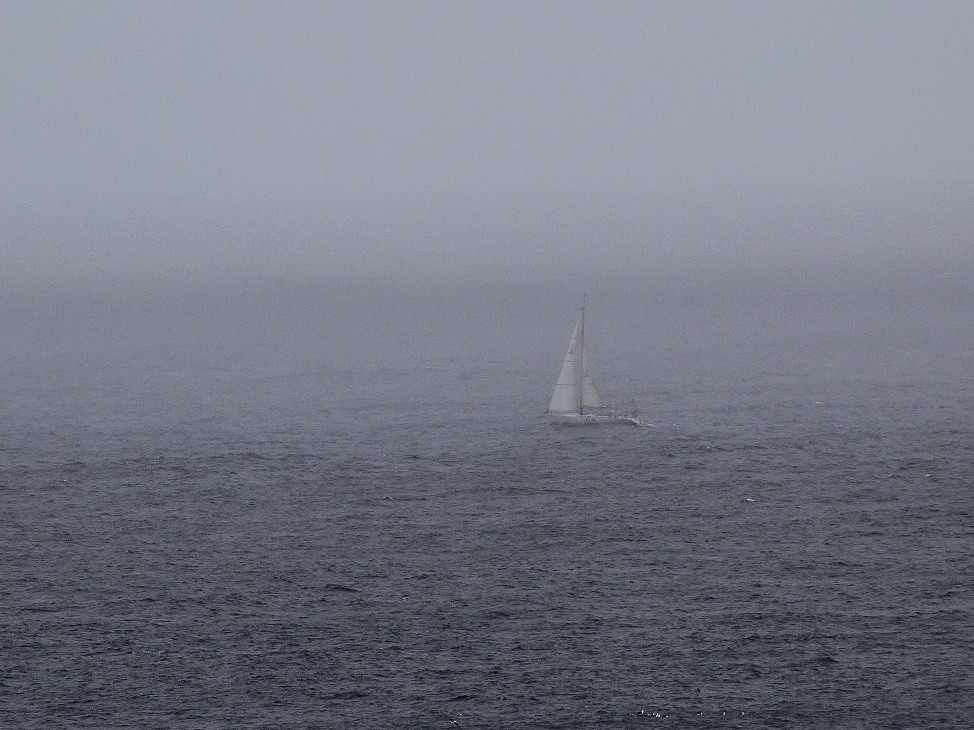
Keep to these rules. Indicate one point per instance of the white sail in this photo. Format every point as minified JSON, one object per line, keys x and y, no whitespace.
{"x":567,"y":395}
{"x":576,"y":400}
{"x":590,"y":396}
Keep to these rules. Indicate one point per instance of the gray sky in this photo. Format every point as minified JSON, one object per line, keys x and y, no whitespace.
{"x":151,"y":141}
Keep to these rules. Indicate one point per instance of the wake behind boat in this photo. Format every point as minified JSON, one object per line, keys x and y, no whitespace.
{"x":576,"y":401}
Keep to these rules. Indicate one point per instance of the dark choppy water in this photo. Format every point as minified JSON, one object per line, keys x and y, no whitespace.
{"x":412,"y":546}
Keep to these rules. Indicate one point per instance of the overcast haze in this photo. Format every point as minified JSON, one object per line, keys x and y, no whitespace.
{"x":191,"y":147}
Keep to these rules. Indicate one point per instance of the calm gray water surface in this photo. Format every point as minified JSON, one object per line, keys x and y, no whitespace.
{"x":409,"y":544}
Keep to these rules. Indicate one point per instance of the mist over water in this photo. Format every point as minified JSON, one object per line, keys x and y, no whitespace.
{"x":282,"y":495}
{"x":279,"y":514}
{"x":284,"y":291}
{"x":467,"y":272}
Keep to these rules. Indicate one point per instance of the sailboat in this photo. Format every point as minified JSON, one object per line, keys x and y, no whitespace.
{"x":576,"y":401}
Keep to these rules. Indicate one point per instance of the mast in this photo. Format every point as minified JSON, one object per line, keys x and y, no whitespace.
{"x":580,"y":361}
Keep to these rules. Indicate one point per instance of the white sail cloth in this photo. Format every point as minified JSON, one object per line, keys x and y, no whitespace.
{"x":575,"y":390}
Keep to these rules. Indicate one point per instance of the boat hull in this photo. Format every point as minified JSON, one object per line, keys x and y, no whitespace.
{"x":592,"y":419}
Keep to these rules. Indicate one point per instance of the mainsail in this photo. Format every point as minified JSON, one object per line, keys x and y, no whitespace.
{"x":590,"y":396}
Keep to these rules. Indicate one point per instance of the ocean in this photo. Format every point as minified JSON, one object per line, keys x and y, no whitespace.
{"x":293,"y":539}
